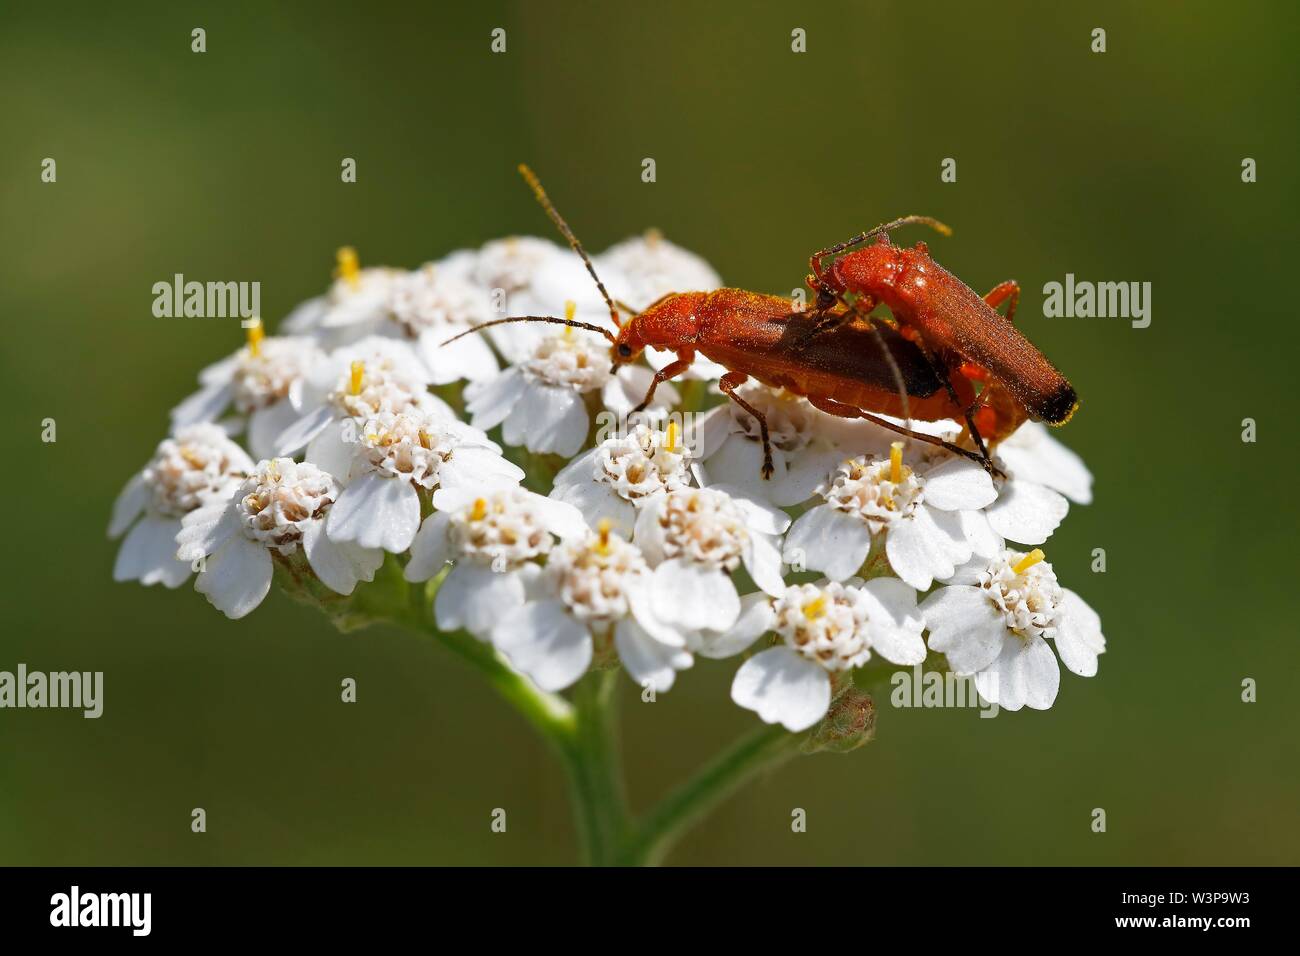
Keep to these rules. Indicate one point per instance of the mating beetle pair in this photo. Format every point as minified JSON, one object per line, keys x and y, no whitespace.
{"x":925,"y":363}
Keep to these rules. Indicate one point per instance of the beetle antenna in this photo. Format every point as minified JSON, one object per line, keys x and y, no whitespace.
{"x":896,"y":372}
{"x":554,"y":320}
{"x":862,"y":237}
{"x":536,"y":185}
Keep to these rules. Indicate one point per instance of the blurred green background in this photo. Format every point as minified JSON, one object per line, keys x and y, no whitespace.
{"x":1121,"y":166}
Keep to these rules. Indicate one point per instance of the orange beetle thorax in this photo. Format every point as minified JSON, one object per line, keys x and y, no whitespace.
{"x":668,"y":324}
{"x":876,"y":270}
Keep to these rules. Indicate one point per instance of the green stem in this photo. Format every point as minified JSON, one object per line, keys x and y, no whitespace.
{"x":551,"y":714}
{"x":761,"y":750}
{"x":585,"y":736}
{"x":595,"y":771}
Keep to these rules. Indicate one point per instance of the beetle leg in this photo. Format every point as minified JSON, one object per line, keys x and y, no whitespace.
{"x":728,"y":384}
{"x":940,"y":373}
{"x":840,"y":410}
{"x":1001,"y":293}
{"x":671,"y":370}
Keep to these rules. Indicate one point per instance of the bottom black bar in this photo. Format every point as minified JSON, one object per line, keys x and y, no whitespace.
{"x":208,"y":905}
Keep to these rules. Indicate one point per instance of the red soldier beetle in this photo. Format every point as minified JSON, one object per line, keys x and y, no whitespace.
{"x":954,"y":326}
{"x":843,"y":363}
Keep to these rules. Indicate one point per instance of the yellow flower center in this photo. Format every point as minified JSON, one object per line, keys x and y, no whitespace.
{"x":601,"y":546}
{"x":670,"y":437}
{"x":896,"y":462}
{"x":1028,"y":561}
{"x":256,"y":332}
{"x":349,"y":266}
{"x":815,"y":608}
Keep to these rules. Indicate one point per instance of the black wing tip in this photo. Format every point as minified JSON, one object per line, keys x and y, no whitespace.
{"x":1061,"y":405}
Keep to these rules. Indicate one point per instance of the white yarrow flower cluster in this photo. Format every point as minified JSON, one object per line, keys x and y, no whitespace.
{"x":383,"y":425}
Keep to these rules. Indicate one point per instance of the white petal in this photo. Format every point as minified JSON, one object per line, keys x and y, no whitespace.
{"x":467,"y":358}
{"x":1025,"y":673}
{"x":965,"y":626}
{"x":490,"y":402}
{"x":580,"y":471}
{"x":334,"y":449}
{"x":828,"y":540}
{"x":624,"y":392}
{"x":804,"y":472}
{"x":206,"y":529}
{"x":763,"y":562}
{"x":431,"y":548}
{"x":958,"y":483}
{"x":236,"y":578}
{"x":597,"y":500}
{"x":265,"y":426}
{"x":1079,"y":639}
{"x":205,"y":405}
{"x":894,"y":598}
{"x":543,"y":641}
{"x":712,"y":428}
{"x":756,"y":619}
{"x":968,"y":572}
{"x":148,"y":554}
{"x":295,"y":438}
{"x":738,"y":464}
{"x":692,"y":596}
{"x":475,"y":597}
{"x":340,"y":565}
{"x":783,"y":687}
{"x":759,"y":515}
{"x":376,"y":512}
{"x":305,"y":316}
{"x":1032,"y":454}
{"x":219,"y":372}
{"x":648,"y":662}
{"x":130,"y":502}
{"x":642,"y":605}
{"x":894,"y":623}
{"x":898,"y":645}
{"x":479,"y":468}
{"x":1026,"y":512}
{"x":648,"y":535}
{"x":983,"y":540}
{"x":920,"y":549}
{"x":548,"y":420}
{"x":559,"y":517}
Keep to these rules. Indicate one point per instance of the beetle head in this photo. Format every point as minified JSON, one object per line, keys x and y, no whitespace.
{"x":669,"y":323}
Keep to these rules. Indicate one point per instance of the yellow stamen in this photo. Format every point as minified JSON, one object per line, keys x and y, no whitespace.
{"x":358,"y":373}
{"x":272,"y":470}
{"x":670,"y":437}
{"x":1028,"y":561}
{"x":570,"y":310}
{"x":896,"y":462}
{"x":815,"y":608}
{"x":256,"y":332}
{"x":602,"y":529}
{"x":479,"y":511}
{"x":349,"y":266}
